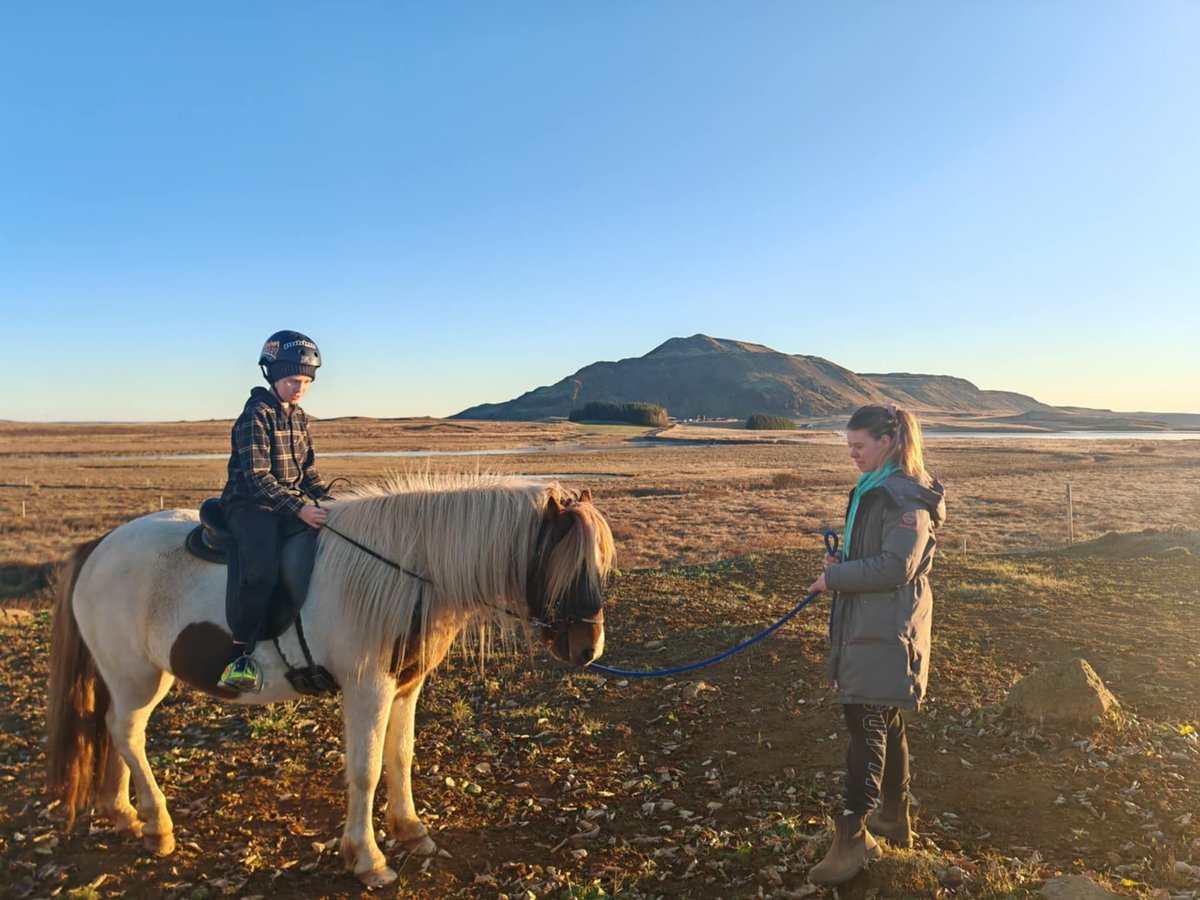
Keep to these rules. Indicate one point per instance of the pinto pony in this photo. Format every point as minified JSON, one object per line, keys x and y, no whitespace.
{"x":136,"y":611}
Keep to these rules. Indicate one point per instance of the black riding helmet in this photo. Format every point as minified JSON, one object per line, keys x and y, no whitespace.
{"x":289,"y":353}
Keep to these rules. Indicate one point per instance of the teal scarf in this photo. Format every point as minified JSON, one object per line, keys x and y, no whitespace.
{"x":866,"y":481}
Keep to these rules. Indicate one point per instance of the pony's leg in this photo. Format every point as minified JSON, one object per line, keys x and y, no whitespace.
{"x":132,"y":702}
{"x":112,"y":799}
{"x":365,"y":707}
{"x":397,"y":756}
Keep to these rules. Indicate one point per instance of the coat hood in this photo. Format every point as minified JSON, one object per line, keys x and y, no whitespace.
{"x":261,"y":396}
{"x":906,"y":492}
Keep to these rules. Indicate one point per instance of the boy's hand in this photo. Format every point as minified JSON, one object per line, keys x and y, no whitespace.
{"x":312,"y":516}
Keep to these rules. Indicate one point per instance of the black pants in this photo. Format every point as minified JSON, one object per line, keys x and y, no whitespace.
{"x":253,"y":569}
{"x":877,"y":759}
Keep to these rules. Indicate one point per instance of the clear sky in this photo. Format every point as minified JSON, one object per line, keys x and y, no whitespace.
{"x":463,"y":201}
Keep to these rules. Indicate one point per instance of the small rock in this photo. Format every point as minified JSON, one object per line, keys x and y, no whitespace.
{"x":692,"y":691}
{"x":952,"y":877}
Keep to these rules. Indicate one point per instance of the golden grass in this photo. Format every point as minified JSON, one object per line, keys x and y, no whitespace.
{"x":678,"y":505}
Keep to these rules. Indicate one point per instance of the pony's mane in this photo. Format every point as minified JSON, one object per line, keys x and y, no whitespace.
{"x":471,"y":536}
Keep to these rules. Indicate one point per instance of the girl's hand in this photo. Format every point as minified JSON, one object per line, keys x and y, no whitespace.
{"x":312,"y":516}
{"x":817,"y":586}
{"x":830,"y":560}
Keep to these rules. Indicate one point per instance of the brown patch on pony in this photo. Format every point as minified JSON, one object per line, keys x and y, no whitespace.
{"x":198,"y":658}
{"x":77,"y":738}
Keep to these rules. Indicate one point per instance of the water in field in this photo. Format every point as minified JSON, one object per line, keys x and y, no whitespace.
{"x":930,"y":434}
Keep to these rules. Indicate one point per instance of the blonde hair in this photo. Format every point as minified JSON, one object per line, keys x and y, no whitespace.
{"x":904,"y":430}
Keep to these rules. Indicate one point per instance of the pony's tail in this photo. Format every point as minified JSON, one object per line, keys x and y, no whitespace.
{"x":78,"y":742}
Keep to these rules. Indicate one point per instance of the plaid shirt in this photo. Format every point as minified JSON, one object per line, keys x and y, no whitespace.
{"x":272,"y":464}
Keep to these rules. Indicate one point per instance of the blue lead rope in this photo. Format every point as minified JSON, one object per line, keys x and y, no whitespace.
{"x":831,"y":546}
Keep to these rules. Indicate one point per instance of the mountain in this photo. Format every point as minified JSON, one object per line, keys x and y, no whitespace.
{"x":718,"y":378}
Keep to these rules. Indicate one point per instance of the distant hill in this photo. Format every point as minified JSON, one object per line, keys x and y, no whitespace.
{"x":714,"y":377}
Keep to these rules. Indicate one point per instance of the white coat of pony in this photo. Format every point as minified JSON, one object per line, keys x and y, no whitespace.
{"x":136,"y":611}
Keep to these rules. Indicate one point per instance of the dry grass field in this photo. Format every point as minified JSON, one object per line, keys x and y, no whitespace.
{"x":544,"y":782}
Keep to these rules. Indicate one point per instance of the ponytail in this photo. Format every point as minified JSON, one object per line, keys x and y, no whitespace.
{"x":904,"y":430}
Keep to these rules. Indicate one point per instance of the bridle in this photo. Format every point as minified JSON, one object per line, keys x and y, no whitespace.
{"x":560,"y":623}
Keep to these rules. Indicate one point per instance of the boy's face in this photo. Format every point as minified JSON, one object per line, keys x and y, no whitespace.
{"x":292,"y":388}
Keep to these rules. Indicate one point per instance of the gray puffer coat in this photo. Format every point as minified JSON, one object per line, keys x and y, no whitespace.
{"x":879,"y":625}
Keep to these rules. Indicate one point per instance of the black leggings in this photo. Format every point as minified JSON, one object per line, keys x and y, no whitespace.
{"x":877,"y":758}
{"x":253,"y":569}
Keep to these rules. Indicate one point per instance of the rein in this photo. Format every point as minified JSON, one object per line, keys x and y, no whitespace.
{"x":831,"y":546}
{"x":365,"y":549}
{"x":379,"y":556}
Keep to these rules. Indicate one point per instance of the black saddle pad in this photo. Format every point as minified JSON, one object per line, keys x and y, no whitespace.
{"x":211,"y":541}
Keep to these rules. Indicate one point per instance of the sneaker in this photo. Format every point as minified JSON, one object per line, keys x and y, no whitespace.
{"x":242,"y":675}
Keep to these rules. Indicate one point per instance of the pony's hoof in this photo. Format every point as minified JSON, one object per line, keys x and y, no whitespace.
{"x":413,"y":836}
{"x":132,"y":827}
{"x":124,"y":822}
{"x":159,"y":844}
{"x":420,"y":846}
{"x":378,"y":878}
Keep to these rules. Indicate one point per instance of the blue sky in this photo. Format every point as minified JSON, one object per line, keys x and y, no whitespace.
{"x":463,"y":201}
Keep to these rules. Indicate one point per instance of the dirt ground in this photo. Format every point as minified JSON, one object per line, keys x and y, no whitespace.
{"x":541,"y":781}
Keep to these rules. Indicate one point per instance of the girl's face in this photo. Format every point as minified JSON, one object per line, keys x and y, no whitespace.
{"x":866,"y":451}
{"x":292,"y":388}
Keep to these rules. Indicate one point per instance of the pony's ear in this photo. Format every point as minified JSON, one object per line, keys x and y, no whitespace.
{"x":558,"y":514}
{"x":585,"y":496}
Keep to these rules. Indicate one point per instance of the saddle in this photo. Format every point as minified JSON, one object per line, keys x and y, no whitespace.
{"x":212,"y":541}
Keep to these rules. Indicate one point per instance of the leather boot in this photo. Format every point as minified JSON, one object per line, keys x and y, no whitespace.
{"x":848,"y":854}
{"x":891,"y":821}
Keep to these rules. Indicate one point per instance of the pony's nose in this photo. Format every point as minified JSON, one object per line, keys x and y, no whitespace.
{"x":586,"y":655}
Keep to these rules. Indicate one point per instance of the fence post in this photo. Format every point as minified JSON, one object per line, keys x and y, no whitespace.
{"x":1070,"y":516}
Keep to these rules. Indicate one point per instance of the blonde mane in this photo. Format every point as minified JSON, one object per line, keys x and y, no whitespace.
{"x":471,"y":537}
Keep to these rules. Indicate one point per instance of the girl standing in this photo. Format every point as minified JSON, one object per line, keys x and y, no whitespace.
{"x":880,"y":629}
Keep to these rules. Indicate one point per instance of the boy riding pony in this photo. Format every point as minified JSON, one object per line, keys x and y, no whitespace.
{"x":272,"y":473}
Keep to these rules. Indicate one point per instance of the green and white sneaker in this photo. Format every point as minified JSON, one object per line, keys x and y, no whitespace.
{"x":242,"y":675}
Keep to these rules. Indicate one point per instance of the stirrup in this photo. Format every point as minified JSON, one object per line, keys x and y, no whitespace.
{"x":242,"y":675}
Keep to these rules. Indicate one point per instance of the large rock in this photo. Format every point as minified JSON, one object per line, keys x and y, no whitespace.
{"x":1067,"y":691}
{"x":1075,"y":887}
